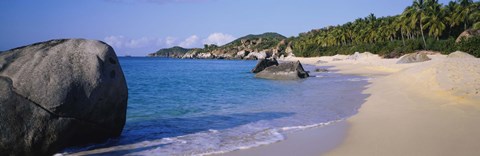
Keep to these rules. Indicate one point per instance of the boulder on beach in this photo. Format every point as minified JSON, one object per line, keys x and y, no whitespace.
{"x":467,"y":34}
{"x":358,"y":56}
{"x":284,"y":71}
{"x":459,"y":54}
{"x":60,"y":93}
{"x":413,"y":58}
{"x":264,"y":63}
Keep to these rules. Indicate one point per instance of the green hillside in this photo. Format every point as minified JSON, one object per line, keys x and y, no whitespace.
{"x":269,"y":40}
{"x":170,"y":52}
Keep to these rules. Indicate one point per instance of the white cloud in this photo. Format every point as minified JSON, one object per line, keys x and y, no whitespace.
{"x":144,"y":45}
{"x":170,"y":41}
{"x":218,"y":39}
{"x":140,"y":43}
{"x":159,"y":42}
{"x":123,"y":42}
{"x":115,"y":41}
{"x":190,"y":42}
{"x":137,"y":47}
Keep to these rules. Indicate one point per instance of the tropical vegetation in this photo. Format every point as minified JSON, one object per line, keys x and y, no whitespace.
{"x":424,"y":25}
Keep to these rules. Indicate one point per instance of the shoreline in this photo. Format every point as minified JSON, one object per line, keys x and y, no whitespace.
{"x":411,"y":111}
{"x":300,"y":142}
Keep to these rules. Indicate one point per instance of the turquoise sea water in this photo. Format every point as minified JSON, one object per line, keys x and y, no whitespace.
{"x":198,"y":107}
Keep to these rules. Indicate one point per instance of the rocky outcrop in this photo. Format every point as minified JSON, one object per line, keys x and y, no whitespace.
{"x":60,"y":93}
{"x":205,"y":56}
{"x":284,"y":71}
{"x":413,"y":58}
{"x":256,"y":55}
{"x":264,"y":63}
{"x":459,"y":54}
{"x":190,"y":55}
{"x":468,"y":34}
{"x":250,"y":47}
{"x":241,"y":54}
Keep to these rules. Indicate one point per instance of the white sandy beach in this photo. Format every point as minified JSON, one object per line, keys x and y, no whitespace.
{"x":427,"y":108}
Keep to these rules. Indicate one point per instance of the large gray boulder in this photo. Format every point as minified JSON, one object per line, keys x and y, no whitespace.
{"x":284,"y":71}
{"x":413,"y":58}
{"x":60,"y":93}
{"x":264,"y":63}
{"x":467,"y":34}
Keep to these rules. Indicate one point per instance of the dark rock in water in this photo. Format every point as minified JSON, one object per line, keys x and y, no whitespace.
{"x":264,"y":63}
{"x":60,"y":93}
{"x":321,"y":70}
{"x":413,"y":58}
{"x":284,"y":71}
{"x":321,"y":62}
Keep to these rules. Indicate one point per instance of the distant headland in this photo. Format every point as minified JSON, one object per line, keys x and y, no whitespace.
{"x":425,"y":25}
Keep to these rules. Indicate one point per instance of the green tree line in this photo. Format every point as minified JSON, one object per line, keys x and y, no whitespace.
{"x":426,"y":24}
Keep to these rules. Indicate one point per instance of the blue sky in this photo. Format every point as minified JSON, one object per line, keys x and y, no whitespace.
{"x":138,"y":27}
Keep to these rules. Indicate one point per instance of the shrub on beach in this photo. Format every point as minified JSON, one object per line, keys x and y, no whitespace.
{"x":396,"y":48}
{"x":471,"y":46}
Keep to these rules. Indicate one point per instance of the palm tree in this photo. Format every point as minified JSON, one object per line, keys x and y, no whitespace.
{"x":434,"y":19}
{"x":475,"y":15}
{"x":401,"y":24}
{"x":450,"y":11}
{"x":417,"y":12}
{"x":464,"y":11}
